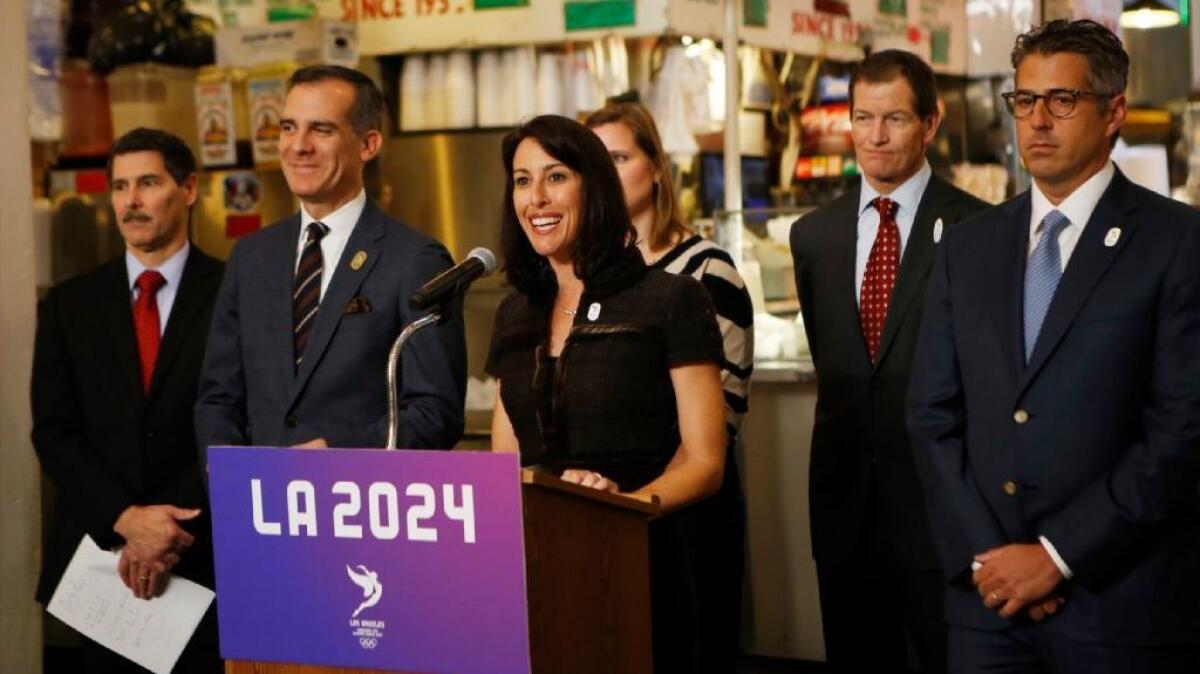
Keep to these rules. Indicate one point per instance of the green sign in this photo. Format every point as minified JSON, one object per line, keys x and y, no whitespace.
{"x":500,"y":4}
{"x":754,"y":13}
{"x":939,"y":46}
{"x":594,"y":14}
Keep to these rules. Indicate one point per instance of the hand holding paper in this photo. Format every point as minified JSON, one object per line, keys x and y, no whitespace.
{"x":93,"y":599}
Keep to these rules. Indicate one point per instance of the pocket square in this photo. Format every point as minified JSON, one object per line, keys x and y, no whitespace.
{"x":357,"y":305}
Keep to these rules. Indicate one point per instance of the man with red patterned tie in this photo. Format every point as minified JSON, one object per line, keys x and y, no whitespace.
{"x":861,"y":266}
{"x":115,"y":372}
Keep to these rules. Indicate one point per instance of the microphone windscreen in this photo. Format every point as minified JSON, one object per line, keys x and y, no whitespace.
{"x":486,"y":257}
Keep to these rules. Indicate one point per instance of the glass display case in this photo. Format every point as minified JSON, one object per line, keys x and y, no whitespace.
{"x":758,"y":241}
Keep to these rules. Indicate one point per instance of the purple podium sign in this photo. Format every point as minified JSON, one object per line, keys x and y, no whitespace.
{"x":407,"y":560}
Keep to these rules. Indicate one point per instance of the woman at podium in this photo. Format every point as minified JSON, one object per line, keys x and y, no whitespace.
{"x":609,"y":370}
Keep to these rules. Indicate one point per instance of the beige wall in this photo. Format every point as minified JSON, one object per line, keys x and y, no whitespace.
{"x":20,"y":536}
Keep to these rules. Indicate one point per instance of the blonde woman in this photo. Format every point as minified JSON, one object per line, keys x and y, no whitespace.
{"x":715,"y":529}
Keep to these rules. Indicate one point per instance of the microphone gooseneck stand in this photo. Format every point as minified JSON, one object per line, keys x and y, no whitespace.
{"x":393,"y":361}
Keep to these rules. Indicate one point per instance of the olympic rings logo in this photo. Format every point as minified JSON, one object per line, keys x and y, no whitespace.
{"x":368,"y":642}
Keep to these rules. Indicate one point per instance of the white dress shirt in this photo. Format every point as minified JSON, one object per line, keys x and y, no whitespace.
{"x":341,"y":224}
{"x":172,"y":271}
{"x":1078,"y":207}
{"x":907,"y":197}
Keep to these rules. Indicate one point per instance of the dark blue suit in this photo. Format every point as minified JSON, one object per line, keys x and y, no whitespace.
{"x":1095,"y":443}
{"x":250,"y":391}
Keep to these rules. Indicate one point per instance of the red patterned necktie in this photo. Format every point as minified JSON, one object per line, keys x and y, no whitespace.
{"x":145,"y":322}
{"x":880,"y":275}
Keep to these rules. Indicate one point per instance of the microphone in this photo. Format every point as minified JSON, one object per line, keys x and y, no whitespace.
{"x":454,"y":281}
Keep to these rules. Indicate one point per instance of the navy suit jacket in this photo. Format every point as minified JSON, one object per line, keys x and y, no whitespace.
{"x":1095,"y":443}
{"x":250,"y":391}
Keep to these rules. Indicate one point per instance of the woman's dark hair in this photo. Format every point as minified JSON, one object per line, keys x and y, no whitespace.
{"x":605,"y":231}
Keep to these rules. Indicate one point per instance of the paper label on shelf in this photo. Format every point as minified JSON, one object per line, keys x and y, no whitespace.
{"x":266,"y":108}
{"x":214,"y":120}
{"x":241,"y":192}
{"x":318,"y":40}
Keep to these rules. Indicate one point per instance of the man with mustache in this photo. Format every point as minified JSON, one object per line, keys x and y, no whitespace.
{"x":1055,"y":400}
{"x":115,"y":369}
{"x":861,"y":266}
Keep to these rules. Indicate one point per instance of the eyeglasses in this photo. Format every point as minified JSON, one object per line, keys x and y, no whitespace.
{"x":1059,"y":102}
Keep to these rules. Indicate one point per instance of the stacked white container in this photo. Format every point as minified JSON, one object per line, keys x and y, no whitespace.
{"x":412,"y":93}
{"x":460,"y":91}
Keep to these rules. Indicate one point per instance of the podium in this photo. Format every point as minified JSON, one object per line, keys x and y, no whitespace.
{"x":586,"y":576}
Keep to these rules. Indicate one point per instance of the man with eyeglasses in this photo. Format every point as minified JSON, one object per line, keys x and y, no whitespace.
{"x":1055,"y":401}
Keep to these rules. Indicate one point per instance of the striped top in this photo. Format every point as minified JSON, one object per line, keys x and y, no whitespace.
{"x":713,"y":267}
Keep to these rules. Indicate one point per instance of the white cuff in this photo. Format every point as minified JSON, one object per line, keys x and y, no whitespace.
{"x":1058,"y":561}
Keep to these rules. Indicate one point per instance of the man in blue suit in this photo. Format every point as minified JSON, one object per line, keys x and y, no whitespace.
{"x":1055,"y":401}
{"x":309,"y":307}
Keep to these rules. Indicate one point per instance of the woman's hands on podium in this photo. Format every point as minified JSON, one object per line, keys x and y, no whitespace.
{"x":587,"y":478}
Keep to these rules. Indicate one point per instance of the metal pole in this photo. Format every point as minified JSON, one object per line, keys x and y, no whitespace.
{"x":733,"y":148}
{"x":393,"y":361}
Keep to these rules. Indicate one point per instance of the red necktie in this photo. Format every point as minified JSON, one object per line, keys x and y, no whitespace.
{"x":145,"y":322}
{"x":880,"y":275}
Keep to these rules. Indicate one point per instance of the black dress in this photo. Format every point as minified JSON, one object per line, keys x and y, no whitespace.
{"x":607,"y":404}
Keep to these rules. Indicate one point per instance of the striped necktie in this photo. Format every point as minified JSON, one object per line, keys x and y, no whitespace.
{"x":306,"y":289}
{"x":1042,"y":274}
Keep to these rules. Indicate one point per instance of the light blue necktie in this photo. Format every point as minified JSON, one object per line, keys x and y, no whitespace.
{"x":1041,"y":277}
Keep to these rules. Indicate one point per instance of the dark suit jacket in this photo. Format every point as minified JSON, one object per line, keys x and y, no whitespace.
{"x":105,"y":444}
{"x":250,"y":391}
{"x":859,"y":442}
{"x":1103,"y":457}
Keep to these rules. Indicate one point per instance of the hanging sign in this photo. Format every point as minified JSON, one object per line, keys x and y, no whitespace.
{"x":598,"y":14}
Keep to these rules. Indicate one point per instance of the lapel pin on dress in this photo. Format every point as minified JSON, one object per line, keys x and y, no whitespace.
{"x":593,"y":311}
{"x":359,"y":259}
{"x":1111,"y":238}
{"x":937,"y":231}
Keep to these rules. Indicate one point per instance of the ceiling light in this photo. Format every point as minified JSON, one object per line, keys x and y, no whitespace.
{"x":1145,"y":14}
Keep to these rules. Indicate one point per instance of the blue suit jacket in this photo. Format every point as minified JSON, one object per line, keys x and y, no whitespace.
{"x":1105,"y":459}
{"x":250,"y":392}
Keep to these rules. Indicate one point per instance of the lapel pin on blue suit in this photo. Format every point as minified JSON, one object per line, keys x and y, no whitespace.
{"x":359,"y":259}
{"x":937,"y":231}
{"x":594,"y":311}
{"x":1111,"y":238}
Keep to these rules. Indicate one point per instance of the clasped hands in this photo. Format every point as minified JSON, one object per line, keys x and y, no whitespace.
{"x":1018,"y":577}
{"x":588,"y":478}
{"x":154,"y":542}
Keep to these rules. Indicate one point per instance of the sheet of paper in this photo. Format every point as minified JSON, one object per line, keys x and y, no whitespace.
{"x":92,"y":599}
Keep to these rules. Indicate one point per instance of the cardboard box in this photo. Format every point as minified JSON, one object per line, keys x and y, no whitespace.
{"x":301,"y":42}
